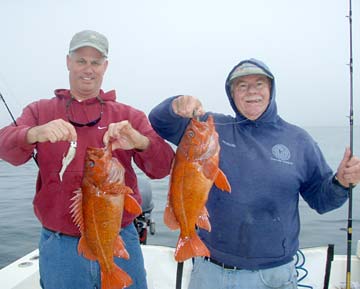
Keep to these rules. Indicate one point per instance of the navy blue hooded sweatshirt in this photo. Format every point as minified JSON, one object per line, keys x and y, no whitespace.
{"x":268,"y":163}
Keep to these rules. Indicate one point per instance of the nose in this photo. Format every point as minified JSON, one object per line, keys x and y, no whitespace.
{"x":88,"y":69}
{"x":252,"y":88}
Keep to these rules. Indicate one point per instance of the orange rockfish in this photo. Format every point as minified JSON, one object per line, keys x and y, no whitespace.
{"x":97,"y":210}
{"x":195,"y":170}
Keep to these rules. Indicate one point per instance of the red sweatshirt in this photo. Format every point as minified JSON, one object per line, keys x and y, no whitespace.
{"x":53,"y":197}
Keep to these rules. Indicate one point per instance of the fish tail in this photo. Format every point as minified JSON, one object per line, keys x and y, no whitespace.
{"x":190,"y":247}
{"x":115,"y":279}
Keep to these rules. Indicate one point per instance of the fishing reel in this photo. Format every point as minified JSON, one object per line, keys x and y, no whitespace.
{"x":144,"y":223}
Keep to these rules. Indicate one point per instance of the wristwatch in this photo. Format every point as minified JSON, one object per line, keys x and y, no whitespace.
{"x":336,"y":182}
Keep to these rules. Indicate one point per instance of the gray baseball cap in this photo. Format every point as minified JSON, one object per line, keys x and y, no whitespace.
{"x":90,"y":38}
{"x":248,"y":68}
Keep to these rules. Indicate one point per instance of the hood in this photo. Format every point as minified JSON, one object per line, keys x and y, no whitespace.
{"x":270,"y":114}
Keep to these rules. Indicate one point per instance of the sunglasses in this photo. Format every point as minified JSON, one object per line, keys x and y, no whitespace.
{"x":90,"y":123}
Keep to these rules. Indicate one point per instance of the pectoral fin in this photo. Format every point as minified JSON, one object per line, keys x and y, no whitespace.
{"x":221,"y":181}
{"x":131,"y":205}
{"x":203,"y":220}
{"x":119,"y":249}
{"x":84,"y":249}
{"x":170,"y":219}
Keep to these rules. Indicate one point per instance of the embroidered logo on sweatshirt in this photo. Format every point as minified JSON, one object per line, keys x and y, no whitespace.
{"x":281,"y":154}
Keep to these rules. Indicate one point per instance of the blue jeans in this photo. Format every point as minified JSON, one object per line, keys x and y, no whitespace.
{"x":61,"y":267}
{"x":206,"y":275}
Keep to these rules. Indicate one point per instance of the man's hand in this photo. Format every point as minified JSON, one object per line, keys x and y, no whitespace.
{"x":53,"y":131}
{"x":123,"y":136}
{"x":348,"y":171}
{"x":187,"y":106}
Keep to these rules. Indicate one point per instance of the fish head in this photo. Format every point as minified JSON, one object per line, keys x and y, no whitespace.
{"x":200,"y":139}
{"x":97,"y":164}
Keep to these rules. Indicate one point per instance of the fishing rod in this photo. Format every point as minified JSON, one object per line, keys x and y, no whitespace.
{"x":8,"y":109}
{"x":14,"y":121}
{"x":179,"y":274}
{"x":351,"y":120}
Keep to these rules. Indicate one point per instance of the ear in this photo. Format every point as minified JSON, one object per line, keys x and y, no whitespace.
{"x":106,"y":64}
{"x":68,"y":60}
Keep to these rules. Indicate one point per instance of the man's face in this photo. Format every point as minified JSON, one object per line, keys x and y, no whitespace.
{"x":86,"y":67}
{"x":251,"y":95}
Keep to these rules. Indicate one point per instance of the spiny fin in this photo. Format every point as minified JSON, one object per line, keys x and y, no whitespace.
{"x":170,"y":219}
{"x":119,"y":248}
{"x":190,"y":247}
{"x":222,"y":182}
{"x":115,"y":279}
{"x":76,"y":210}
{"x":203,"y":220}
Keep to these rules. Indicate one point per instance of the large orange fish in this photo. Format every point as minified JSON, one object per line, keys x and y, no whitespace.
{"x":97,"y":210}
{"x":195,"y":170}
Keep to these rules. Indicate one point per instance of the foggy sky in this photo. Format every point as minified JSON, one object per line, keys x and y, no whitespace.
{"x":164,"y":48}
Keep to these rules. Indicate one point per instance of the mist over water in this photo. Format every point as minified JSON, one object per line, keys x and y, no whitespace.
{"x":19,"y":228}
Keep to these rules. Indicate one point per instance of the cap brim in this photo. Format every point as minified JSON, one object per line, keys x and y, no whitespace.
{"x":243,"y":73}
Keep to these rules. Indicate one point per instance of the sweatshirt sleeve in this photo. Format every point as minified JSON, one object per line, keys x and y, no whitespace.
{"x":329,"y":197}
{"x":166,"y":123}
{"x":157,"y":159}
{"x":319,"y":191}
{"x":13,"y":145}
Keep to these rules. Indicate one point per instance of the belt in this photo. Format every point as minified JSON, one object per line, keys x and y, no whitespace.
{"x":59,"y":233}
{"x":224,"y":266}
{"x":52,"y":231}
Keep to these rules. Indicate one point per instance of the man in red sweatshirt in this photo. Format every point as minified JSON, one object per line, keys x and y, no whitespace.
{"x":91,"y":117}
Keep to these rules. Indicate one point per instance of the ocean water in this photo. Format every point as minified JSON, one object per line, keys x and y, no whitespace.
{"x":19,"y":228}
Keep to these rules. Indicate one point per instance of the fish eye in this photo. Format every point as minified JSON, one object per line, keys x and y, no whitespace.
{"x":91,"y":163}
{"x":191,"y":134}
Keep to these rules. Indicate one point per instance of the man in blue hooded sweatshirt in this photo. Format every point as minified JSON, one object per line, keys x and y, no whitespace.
{"x":269,"y":163}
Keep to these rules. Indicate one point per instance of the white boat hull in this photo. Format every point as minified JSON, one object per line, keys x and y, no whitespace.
{"x":161,"y":270}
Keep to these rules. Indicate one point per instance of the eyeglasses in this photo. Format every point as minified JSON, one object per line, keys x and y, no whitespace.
{"x":243,"y":86}
{"x":91,"y":123}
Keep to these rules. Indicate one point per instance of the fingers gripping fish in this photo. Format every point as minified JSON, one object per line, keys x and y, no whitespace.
{"x":68,"y":158}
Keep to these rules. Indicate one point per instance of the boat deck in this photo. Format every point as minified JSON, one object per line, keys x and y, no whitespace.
{"x":23,"y":273}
